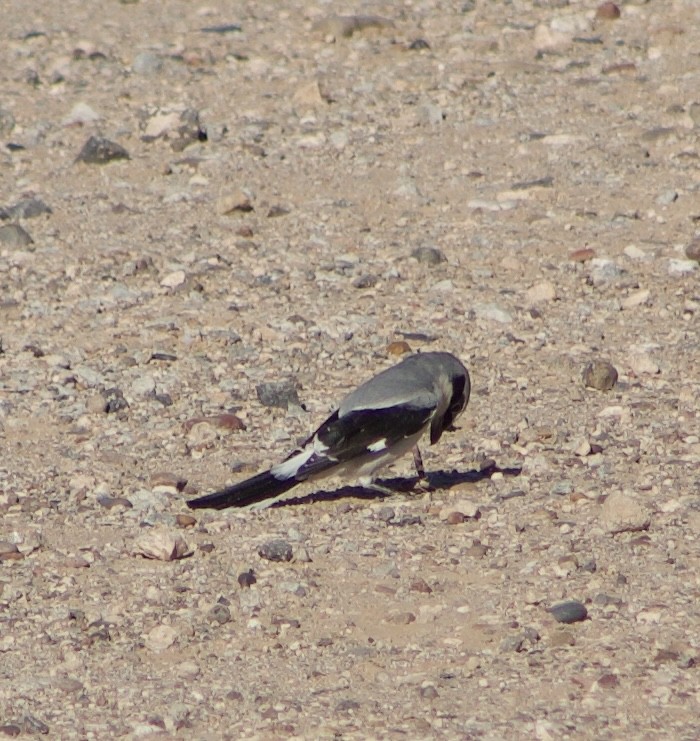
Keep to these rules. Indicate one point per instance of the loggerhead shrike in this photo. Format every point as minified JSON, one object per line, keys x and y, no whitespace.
{"x":374,"y":425}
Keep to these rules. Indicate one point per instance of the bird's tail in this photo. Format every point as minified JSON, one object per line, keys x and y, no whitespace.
{"x":261,"y":488}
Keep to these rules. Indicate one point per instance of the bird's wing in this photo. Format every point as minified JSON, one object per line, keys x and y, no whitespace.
{"x":358,"y":433}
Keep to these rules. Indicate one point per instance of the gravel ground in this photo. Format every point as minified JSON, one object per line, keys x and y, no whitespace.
{"x":197,"y":200}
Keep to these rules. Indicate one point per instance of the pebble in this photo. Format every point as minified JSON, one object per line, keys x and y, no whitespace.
{"x":681,"y":267}
{"x":608,"y":11}
{"x":344,"y":26}
{"x":174,"y":279}
{"x":465,"y":508}
{"x":26,"y":208}
{"x":13,"y":235}
{"x":220,"y":614}
{"x":603,"y":271}
{"x":582,"y":255}
{"x":114,"y":400}
{"x":99,"y":151}
{"x":623,"y":513}
{"x":599,"y":374}
{"x":643,"y":365}
{"x":667,"y":197}
{"x":541,"y":292}
{"x":236,"y":202}
{"x":692,"y":250}
{"x":276,"y":550}
{"x":80,"y":115}
{"x":492,"y":312}
{"x":400,"y":347}
{"x":161,"y":545}
{"x":160,"y":638}
{"x":638,"y":298}
{"x":401,"y":617}
{"x":282,"y":394}
{"x":147,"y":63}
{"x":571,"y":611}
{"x":429,"y":255}
{"x":246,"y":579}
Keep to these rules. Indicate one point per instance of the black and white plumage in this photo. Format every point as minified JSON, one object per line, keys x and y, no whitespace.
{"x":377,"y":423}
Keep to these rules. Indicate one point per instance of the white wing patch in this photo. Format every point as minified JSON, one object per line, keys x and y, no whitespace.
{"x":288,"y":469}
{"x":378,"y":446}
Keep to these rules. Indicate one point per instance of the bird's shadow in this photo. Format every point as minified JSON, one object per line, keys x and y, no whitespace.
{"x":436,"y":481}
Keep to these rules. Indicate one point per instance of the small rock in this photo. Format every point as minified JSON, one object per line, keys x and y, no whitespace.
{"x":603,"y":271}
{"x":224,"y":421}
{"x":468,"y":511}
{"x":238,"y":202}
{"x":147,"y":63}
{"x":398,"y":348}
{"x":161,"y":545}
{"x":561,"y":638}
{"x":385,"y":514}
{"x":622,"y":513}
{"x":99,"y":151}
{"x":160,"y":638}
{"x":569,"y":612}
{"x":599,"y":374}
{"x":114,"y":400}
{"x":365,"y":281}
{"x":540,"y":292}
{"x":81,"y":114}
{"x":420,"y":585}
{"x":635,"y":299}
{"x":582,"y":255}
{"x":220,"y":614}
{"x":174,"y":279}
{"x":171,"y":482}
{"x":401,"y":618}
{"x":667,"y":197}
{"x":492,"y":312}
{"x":682,"y":267}
{"x":13,"y":235}
{"x":608,"y":11}
{"x":692,"y":251}
{"x":185,"y":521}
{"x":429,"y":255}
{"x":643,"y":365}
{"x":280,"y":394}
{"x":276,"y":550}
{"x":27,"y":208}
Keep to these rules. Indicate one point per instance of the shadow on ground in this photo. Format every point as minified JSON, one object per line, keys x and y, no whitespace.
{"x":436,"y":480}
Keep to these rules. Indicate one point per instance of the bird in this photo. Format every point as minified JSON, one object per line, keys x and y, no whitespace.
{"x":378,"y":422}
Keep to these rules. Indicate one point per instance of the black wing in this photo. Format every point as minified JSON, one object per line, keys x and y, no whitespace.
{"x":352,"y":435}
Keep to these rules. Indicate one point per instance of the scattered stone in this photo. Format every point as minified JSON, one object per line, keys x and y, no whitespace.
{"x":399,"y":617}
{"x":418,"y":45}
{"x":692,"y":251}
{"x":603,"y":271}
{"x":160,"y":638}
{"x":99,"y":151}
{"x":667,"y":197}
{"x":276,"y":550}
{"x":344,"y":26}
{"x":167,"y":481}
{"x":27,"y":208}
{"x":385,"y":514}
{"x":561,"y":639}
{"x":607,"y":11}
{"x":457,"y":512}
{"x":682,"y":267}
{"x":638,"y":298}
{"x":111,"y":502}
{"x":622,"y":513}
{"x":114,"y":400}
{"x":492,"y":312}
{"x":541,"y":292}
{"x":599,"y":374}
{"x":571,"y":611}
{"x":582,"y":255}
{"x":366,"y":281}
{"x":238,"y":202}
{"x":185,"y":521}
{"x":430,"y":256}
{"x":81,"y":114}
{"x":398,"y":348}
{"x":161,"y":545}
{"x":420,"y":585}
{"x":276,"y":211}
{"x":282,"y":394}
{"x":220,"y":614}
{"x":224,"y":421}
{"x":643,"y":365}
{"x":13,"y":235}
{"x":147,"y":63}
{"x":174,"y":280}
{"x":222,"y":28}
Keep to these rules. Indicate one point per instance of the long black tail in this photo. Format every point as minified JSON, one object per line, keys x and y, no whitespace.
{"x":251,"y":491}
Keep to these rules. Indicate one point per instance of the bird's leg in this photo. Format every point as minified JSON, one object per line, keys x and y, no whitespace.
{"x":423,"y":482}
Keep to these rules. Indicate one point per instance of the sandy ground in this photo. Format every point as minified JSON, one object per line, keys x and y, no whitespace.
{"x":517,"y":183}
